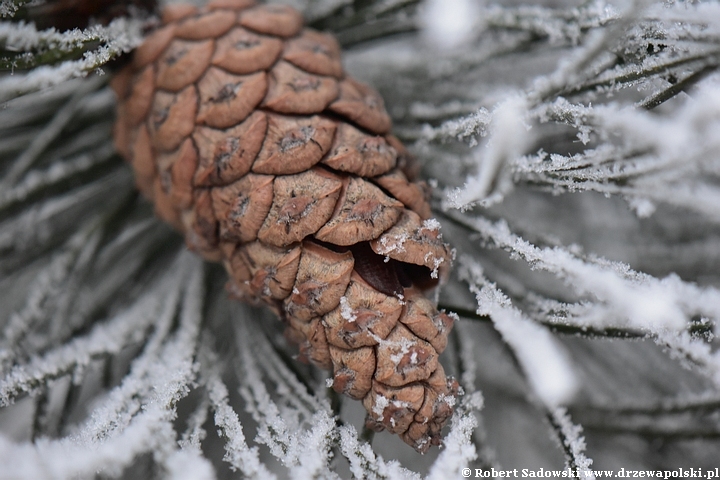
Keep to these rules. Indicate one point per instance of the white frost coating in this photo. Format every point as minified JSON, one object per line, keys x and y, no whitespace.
{"x":182,"y":465}
{"x":365,"y":463}
{"x":24,"y":36}
{"x":463,"y":128}
{"x":136,"y":417}
{"x":436,"y":262}
{"x":508,"y":138}
{"x":630,"y":298}
{"x":574,"y":442}
{"x":193,"y":436}
{"x":64,"y":459}
{"x":7,"y":8}
{"x":545,"y":363}
{"x":346,"y":311}
{"x":105,"y":337}
{"x":676,"y":150}
{"x":273,"y":431}
{"x":681,"y":345}
{"x":431,"y":224}
{"x":653,"y":159}
{"x":314,"y":449}
{"x":459,"y":449}
{"x":237,"y":453}
{"x":450,"y":400}
{"x":291,"y":393}
{"x":121,"y":35}
{"x":287,"y":386}
{"x":32,"y":229}
{"x":167,"y":360}
{"x":389,"y":244}
{"x":56,"y":173}
{"x":44,"y":289}
{"x":405,"y":345}
{"x":621,"y":296}
{"x":305,"y":451}
{"x":381,"y":402}
{"x":467,"y":353}
{"x":698,"y":352}
{"x":449,"y":23}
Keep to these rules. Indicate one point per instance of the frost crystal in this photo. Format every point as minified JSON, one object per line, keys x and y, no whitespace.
{"x":346,"y":311}
{"x":431,"y":225}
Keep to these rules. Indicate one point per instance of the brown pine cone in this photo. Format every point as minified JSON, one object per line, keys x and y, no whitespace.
{"x":247,"y":135}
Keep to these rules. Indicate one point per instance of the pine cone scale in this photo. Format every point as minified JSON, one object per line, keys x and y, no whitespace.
{"x":181,"y":165}
{"x":227,"y":155}
{"x":364,"y":318}
{"x":177,"y":11}
{"x":321,"y":281}
{"x":363,"y":212}
{"x":210,"y":25}
{"x":241,"y":207}
{"x":143,"y":162}
{"x":227,"y":99}
{"x":154,"y":45}
{"x":278,"y":20}
{"x":172,"y":118}
{"x":247,"y":135}
{"x":352,"y":370}
{"x":302,"y":203}
{"x":316,"y":53}
{"x":293,"y":144}
{"x":183,"y":63}
{"x":242,"y":52}
{"x":356,"y":152}
{"x":140,"y":96}
{"x":295,"y":91}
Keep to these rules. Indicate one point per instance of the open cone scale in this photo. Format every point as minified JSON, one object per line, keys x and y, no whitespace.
{"x":245,"y":132}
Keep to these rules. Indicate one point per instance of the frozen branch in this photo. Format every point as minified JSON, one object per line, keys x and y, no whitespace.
{"x":237,"y":452}
{"x":573,"y":444}
{"x":459,"y":450}
{"x":304,"y":451}
{"x":364,"y":462}
{"x":120,"y":36}
{"x":543,"y":360}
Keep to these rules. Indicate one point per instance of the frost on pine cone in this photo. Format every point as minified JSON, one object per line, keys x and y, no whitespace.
{"x":247,"y":135}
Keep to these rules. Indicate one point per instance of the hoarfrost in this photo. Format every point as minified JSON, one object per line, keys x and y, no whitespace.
{"x":120,"y":36}
{"x":574,"y":443}
{"x":365,"y":463}
{"x":543,"y":360}
{"x":584,"y":137}
{"x":346,"y":311}
{"x":431,"y":225}
{"x":508,"y":138}
{"x":459,"y":448}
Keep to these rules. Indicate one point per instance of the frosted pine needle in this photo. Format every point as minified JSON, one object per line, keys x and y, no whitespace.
{"x":589,"y":242}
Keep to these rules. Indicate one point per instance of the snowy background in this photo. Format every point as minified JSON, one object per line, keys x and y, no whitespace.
{"x":575,"y":149}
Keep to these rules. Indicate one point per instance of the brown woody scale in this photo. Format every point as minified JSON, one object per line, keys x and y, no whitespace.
{"x":247,"y":135}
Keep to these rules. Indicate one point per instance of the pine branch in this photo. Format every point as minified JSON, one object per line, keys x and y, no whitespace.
{"x":576,"y":156}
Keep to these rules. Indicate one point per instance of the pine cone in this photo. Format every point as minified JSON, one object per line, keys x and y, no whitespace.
{"x":245,"y":132}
